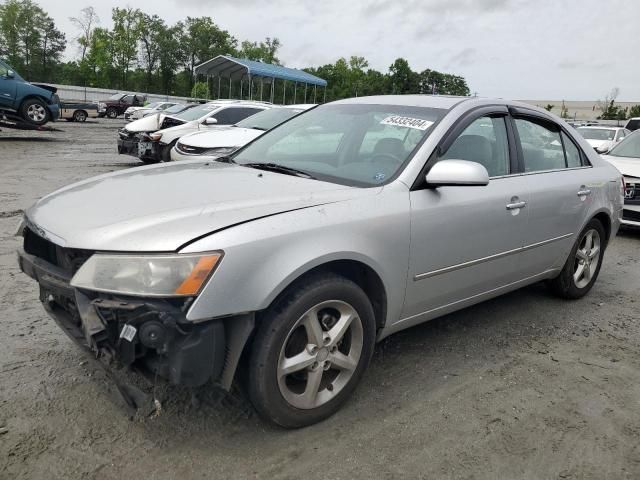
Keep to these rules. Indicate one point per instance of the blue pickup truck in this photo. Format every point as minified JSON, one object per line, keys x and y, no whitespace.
{"x":21,"y":100}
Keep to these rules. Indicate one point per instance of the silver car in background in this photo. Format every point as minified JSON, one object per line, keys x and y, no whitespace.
{"x":293,"y":256}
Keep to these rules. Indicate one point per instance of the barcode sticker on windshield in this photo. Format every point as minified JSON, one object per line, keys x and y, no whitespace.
{"x":398,"y":121}
{"x":128,"y":332}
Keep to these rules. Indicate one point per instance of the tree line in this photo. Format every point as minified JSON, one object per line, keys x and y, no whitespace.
{"x":141,"y":52}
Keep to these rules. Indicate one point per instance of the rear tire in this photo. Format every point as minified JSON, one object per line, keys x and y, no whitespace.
{"x":327,"y":325}
{"x":583,"y":265}
{"x":79,"y":116}
{"x":34,"y":111}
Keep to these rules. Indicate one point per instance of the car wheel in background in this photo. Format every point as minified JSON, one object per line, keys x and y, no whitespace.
{"x":310,"y":350}
{"x":34,"y":111}
{"x":583,"y":265}
{"x":112,"y":112}
{"x":79,"y":116}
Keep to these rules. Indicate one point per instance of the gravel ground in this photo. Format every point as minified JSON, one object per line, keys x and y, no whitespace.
{"x":523,"y":386}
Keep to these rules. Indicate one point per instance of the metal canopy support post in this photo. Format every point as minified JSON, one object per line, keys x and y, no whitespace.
{"x":240,"y":88}
{"x":305,"y":93}
{"x":250,"y":89}
{"x":218,"y":87}
{"x":261,"y":87}
{"x":325,"y":95}
{"x":315,"y":90}
{"x":284,"y":93}
{"x":295,"y":93}
{"x":273,"y":86}
{"x":229,"y":87}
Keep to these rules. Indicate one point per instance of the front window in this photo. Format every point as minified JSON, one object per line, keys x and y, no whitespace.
{"x":597,"y":133}
{"x":351,"y":144}
{"x":198,"y":112}
{"x":116,"y":96}
{"x":629,"y":147}
{"x":268,"y":119}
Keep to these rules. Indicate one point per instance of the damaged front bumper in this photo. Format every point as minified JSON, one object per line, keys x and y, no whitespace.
{"x":150,"y":336}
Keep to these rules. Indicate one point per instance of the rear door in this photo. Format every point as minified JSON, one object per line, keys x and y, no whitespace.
{"x":560,"y":183}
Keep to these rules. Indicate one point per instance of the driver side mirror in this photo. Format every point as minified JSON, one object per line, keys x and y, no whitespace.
{"x":10,"y":74}
{"x":210,"y":121}
{"x":449,"y":173}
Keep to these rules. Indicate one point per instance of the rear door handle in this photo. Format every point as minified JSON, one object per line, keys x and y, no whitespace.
{"x":583,"y":192}
{"x":516,"y":205}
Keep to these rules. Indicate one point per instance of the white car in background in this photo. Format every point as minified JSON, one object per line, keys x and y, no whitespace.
{"x":156,"y":146}
{"x":626,"y":158}
{"x":603,"y":139}
{"x":135,"y":113}
{"x":210,"y":144}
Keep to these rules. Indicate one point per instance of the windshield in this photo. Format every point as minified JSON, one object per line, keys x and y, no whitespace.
{"x":116,"y":96}
{"x":629,"y":147}
{"x":597,"y":133}
{"x":197,"y":112}
{"x":178,"y":108}
{"x":152,"y":105}
{"x":267,"y":119}
{"x":350,"y":144}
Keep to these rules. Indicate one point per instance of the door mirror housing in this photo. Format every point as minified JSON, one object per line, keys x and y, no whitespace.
{"x":10,"y":74}
{"x":210,"y":121}
{"x":449,"y":173}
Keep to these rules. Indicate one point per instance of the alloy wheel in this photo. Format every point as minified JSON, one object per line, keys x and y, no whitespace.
{"x":320,"y":354}
{"x":36,"y":112}
{"x":587,"y":258}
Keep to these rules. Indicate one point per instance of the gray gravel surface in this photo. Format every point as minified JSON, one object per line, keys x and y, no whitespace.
{"x":523,"y":386}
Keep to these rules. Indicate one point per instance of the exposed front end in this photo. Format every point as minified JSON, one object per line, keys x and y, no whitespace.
{"x":147,"y":332}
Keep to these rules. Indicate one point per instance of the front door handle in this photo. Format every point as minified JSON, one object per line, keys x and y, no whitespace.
{"x":516,"y":205}
{"x":583,"y":192}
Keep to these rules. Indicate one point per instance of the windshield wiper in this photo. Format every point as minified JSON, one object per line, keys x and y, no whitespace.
{"x":225,"y":159}
{"x":274,"y":167}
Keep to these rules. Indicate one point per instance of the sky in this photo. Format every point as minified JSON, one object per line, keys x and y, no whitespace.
{"x":518,"y":49}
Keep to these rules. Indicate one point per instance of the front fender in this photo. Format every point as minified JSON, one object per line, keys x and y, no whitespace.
{"x":265,"y":256}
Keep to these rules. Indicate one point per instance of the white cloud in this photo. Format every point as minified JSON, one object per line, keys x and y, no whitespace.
{"x":571,"y":49}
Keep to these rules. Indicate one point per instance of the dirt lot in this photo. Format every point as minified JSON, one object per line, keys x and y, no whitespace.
{"x":524,"y":386}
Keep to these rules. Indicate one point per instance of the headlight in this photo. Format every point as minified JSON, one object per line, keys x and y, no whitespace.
{"x":147,"y":275}
{"x":155,"y":136}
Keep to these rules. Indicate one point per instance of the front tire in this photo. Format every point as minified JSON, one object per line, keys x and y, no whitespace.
{"x":112,"y":112}
{"x":34,"y":111}
{"x":583,"y":265}
{"x":311,"y":350}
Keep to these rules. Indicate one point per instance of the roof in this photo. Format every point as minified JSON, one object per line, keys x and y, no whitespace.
{"x":600,"y":127}
{"x":230,"y":67}
{"x":429,"y":101}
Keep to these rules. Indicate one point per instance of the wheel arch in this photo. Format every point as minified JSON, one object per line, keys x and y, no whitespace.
{"x":605,"y":219}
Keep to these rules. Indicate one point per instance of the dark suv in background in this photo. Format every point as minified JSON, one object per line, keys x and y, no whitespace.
{"x":116,"y":104}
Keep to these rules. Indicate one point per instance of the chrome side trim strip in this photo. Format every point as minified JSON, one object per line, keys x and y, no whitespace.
{"x":471,"y":263}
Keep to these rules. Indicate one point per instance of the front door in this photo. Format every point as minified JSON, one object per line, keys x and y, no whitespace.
{"x":465,"y":240}
{"x":7,"y":87}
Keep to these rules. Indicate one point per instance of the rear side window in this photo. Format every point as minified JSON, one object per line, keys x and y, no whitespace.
{"x":232,"y":115}
{"x":574,"y":159}
{"x":484,"y":141}
{"x":633,"y":124}
{"x":541,"y":145}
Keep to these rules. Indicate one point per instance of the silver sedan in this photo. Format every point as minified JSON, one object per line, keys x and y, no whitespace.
{"x":292,"y":257}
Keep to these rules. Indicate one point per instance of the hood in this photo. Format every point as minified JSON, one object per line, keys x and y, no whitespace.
{"x":628,"y":166}
{"x":145,"y":124}
{"x":222,"y":137}
{"x":162,"y":207}
{"x":46,"y":87}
